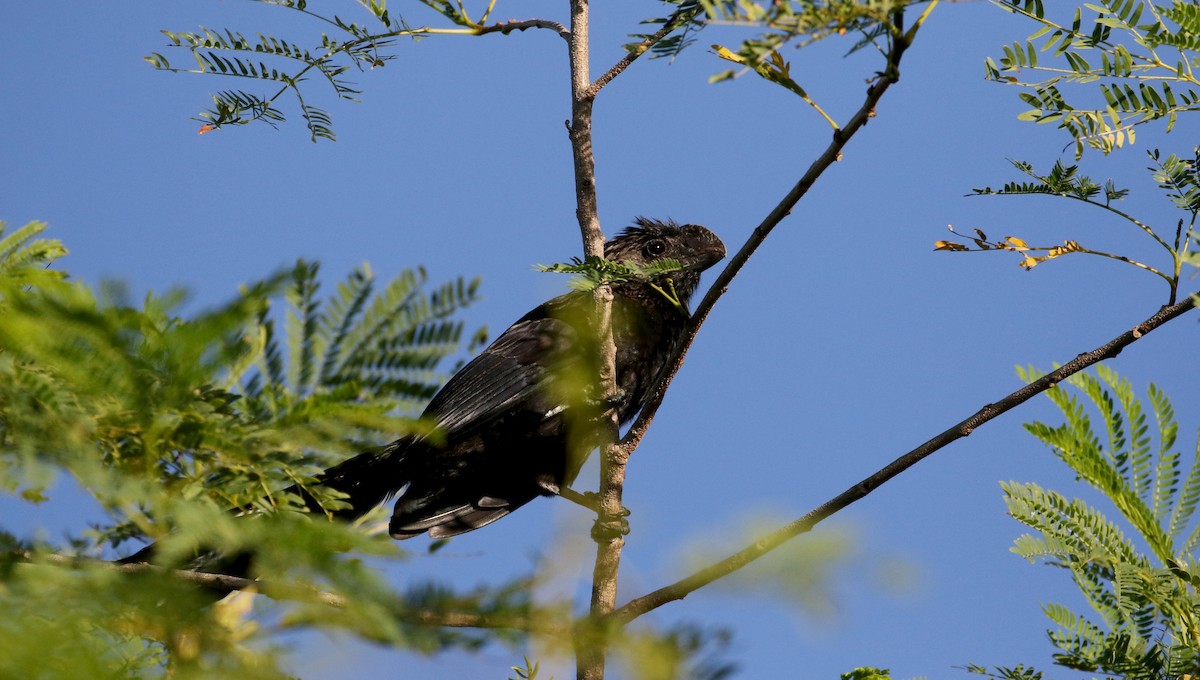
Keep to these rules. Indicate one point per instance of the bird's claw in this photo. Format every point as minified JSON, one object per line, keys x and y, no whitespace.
{"x":608,"y":526}
{"x":611,"y":527}
{"x":614,"y":400}
{"x":592,"y":500}
{"x":602,"y":402}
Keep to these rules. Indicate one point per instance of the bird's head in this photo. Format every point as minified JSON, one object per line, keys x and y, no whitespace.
{"x":648,"y":241}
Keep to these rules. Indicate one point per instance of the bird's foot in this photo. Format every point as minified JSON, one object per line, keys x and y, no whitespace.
{"x":593,"y":501}
{"x":611,"y":527}
{"x":603,"y":402}
{"x":607,"y":527}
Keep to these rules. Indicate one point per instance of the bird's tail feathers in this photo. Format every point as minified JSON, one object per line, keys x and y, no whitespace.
{"x":367,"y":479}
{"x":451,"y":522}
{"x":443,"y":518}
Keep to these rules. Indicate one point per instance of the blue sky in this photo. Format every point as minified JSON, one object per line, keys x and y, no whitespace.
{"x":844,"y":343}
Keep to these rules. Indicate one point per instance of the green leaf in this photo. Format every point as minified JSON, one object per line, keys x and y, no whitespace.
{"x":1147,"y":619}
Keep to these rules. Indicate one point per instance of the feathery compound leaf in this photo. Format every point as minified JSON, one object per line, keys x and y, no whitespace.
{"x":1124,"y":477}
{"x":392,"y":308}
{"x":302,"y":320}
{"x":1137,"y":61}
{"x":391,"y":342}
{"x":1139,"y":454}
{"x":341,"y":312}
{"x":1180,"y":178}
{"x":1065,"y":181}
{"x":138,"y":404}
{"x":272,"y":59}
{"x":235,"y":107}
{"x":1166,"y":475}
{"x":24,"y":259}
{"x":1186,"y":506}
{"x":688,"y":18}
{"x":594,"y":272}
{"x":1148,"y":606}
{"x":378,"y":353}
{"x":1077,"y":530}
{"x":271,"y":366}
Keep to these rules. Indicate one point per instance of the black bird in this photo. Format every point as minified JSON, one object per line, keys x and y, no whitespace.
{"x":519,"y":419}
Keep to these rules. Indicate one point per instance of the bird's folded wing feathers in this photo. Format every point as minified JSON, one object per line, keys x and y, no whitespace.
{"x":509,"y":373}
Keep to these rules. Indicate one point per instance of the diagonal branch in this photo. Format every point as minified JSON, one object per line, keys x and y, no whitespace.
{"x":832,"y":153}
{"x":682,"y":588}
{"x":681,"y":16}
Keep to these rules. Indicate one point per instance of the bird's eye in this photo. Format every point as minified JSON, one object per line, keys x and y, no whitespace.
{"x":655,"y":248}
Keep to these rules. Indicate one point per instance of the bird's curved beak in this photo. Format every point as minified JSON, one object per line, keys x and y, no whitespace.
{"x":709,"y":250}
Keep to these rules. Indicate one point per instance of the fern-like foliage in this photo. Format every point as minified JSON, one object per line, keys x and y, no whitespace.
{"x":1062,"y":180}
{"x":1138,"y":57}
{"x":282,"y":63}
{"x":219,"y":405}
{"x":1180,"y":178}
{"x":377,"y":348}
{"x":1148,"y":623}
{"x":170,"y":420}
{"x":285,"y":65}
{"x":25,"y":259}
{"x":593,"y":272}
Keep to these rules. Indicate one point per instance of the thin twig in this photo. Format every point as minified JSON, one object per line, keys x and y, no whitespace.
{"x":682,"y":588}
{"x":506,"y":27}
{"x":641,"y":48}
{"x":226,"y":583}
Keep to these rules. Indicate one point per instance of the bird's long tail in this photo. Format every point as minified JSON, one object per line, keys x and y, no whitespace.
{"x":367,"y":479}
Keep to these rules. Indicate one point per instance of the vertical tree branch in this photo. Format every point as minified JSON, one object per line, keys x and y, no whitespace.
{"x":580,"y":129}
{"x":591,"y":648}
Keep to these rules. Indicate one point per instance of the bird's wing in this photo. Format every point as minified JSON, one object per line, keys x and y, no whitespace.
{"x":510,"y":373}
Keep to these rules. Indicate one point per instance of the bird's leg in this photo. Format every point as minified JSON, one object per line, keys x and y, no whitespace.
{"x":606,"y":526}
{"x":585,"y":500}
